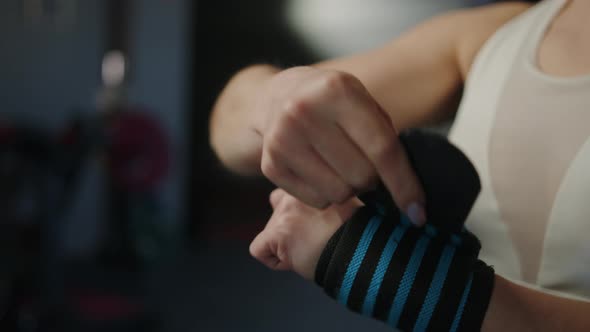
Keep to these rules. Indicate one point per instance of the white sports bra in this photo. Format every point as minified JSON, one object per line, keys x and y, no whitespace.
{"x":528,"y":134}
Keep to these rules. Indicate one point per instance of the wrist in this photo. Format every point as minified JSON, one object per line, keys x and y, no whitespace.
{"x":234,"y":121}
{"x":330,"y":235}
{"x":262,"y":76}
{"x":322,"y":240}
{"x":432,"y":279}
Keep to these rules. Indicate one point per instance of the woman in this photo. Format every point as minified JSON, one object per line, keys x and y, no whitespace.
{"x":327,"y":132}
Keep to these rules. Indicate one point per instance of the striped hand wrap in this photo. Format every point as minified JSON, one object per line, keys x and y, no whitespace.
{"x":415,"y":279}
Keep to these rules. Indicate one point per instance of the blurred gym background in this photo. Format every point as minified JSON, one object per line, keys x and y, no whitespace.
{"x":114,"y":213}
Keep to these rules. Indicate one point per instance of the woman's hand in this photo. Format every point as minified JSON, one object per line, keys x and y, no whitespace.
{"x":296,"y":234}
{"x":326,"y":139}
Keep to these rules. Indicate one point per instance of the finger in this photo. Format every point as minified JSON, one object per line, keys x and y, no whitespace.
{"x":276,"y":196}
{"x":261,"y":251}
{"x":306,"y":164}
{"x":296,"y":167}
{"x":314,"y":171}
{"x":284,"y":178}
{"x":376,"y":136}
{"x":344,"y":157}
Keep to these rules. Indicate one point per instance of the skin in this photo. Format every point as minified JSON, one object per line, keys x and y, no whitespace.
{"x":299,"y":126}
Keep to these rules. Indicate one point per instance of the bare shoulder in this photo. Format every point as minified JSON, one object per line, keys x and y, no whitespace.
{"x":478,"y":25}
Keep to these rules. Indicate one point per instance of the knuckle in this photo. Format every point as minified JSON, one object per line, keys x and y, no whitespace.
{"x":276,"y":196}
{"x":270,"y":169}
{"x":341,"y":84}
{"x":253,"y":249}
{"x":285,"y":226}
{"x":294,"y":108}
{"x":336,"y":80}
{"x":273,"y":148}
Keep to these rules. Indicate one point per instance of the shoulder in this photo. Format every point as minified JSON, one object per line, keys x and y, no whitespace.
{"x":477,"y":25}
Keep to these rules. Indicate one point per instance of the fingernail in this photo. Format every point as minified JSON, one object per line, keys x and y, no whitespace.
{"x":416,"y":214}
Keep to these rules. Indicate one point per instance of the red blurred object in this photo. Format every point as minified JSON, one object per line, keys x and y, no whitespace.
{"x":105,"y":307}
{"x":138,"y":153}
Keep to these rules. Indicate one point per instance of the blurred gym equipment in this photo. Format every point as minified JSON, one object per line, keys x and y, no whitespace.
{"x":41,"y":287}
{"x":41,"y":173}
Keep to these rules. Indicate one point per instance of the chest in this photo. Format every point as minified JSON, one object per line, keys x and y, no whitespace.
{"x":525,"y":123}
{"x":564,"y":51}
{"x":535,"y":137}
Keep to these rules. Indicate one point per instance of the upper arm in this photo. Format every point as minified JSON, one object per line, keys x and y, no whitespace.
{"x":417,"y":78}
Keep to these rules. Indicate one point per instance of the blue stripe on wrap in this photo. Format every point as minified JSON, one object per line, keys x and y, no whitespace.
{"x":405,"y":220}
{"x":357,"y":259}
{"x":384,"y":260}
{"x":461,"y":307}
{"x":405,"y":285}
{"x":433,"y":295}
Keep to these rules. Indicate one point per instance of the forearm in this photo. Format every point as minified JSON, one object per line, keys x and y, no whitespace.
{"x":232,"y":127}
{"x":517,"y":308}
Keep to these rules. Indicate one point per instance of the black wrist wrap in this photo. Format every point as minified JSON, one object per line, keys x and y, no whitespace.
{"x":416,"y":279}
